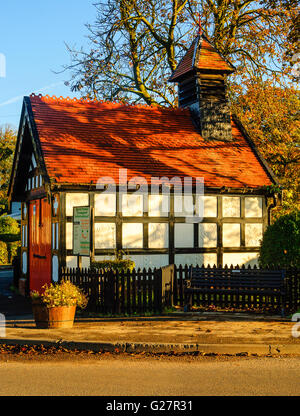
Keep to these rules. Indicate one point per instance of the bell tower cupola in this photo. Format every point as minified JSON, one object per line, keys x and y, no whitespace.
{"x":201,"y":76}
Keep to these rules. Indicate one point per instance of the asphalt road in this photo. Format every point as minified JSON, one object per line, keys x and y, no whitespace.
{"x":151,"y":377}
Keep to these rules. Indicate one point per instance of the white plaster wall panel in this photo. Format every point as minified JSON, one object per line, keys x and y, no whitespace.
{"x":231,"y":235}
{"x":184,"y":235}
{"x":24,"y":262}
{"x":100,"y":258}
{"x":158,"y":205}
{"x":105,"y":235}
{"x":207,"y":235}
{"x":253,"y":234}
{"x":150,"y":260}
{"x":132,"y":205}
{"x":158,"y":235}
{"x":240,"y":259}
{"x":196,"y":258}
{"x":57,"y":235}
{"x":253,"y":207}
{"x":55,"y":268}
{"x":183,"y":205}
{"x":71,"y":261}
{"x":75,"y":200}
{"x":33,"y":161}
{"x":69,"y":235}
{"x":53,"y":236}
{"x":85,"y":262}
{"x":132,"y":235}
{"x":231,"y":206}
{"x":105,"y":205}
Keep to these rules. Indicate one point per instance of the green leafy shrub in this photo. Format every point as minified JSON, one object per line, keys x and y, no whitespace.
{"x":10,"y":235}
{"x":3,"y":253}
{"x":281,"y":242}
{"x":116,"y":264}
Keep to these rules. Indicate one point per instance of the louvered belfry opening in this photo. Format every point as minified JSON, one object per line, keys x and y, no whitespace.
{"x":201,"y":76}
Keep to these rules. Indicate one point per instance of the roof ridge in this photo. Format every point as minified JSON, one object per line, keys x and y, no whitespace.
{"x":54,"y":98}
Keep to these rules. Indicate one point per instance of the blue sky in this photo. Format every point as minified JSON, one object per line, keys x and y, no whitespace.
{"x":32,"y":36}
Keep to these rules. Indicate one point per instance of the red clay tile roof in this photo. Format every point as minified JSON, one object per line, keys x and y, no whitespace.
{"x":82,"y":141}
{"x":201,"y":56}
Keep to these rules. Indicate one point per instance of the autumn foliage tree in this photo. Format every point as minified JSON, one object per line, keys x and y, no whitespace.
{"x":271,"y":116}
{"x":135,"y":45}
{"x":7,"y":145}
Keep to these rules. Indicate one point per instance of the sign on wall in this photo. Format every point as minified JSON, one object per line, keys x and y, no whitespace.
{"x":81,"y":231}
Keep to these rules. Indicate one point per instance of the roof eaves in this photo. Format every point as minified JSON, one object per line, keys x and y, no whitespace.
{"x":35,"y":137}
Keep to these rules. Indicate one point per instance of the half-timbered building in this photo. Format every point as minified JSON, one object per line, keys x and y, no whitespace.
{"x":66,"y":145}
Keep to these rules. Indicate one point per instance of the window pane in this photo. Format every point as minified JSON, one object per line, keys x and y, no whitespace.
{"x":105,"y":235}
{"x":183,"y":206}
{"x":75,"y":200}
{"x":184,"y":235}
{"x":132,"y":205}
{"x":69,"y":235}
{"x":231,"y":206}
{"x":253,"y":234}
{"x":207,"y":235}
{"x":253,"y":207}
{"x":158,"y":205}
{"x":231,"y":235}
{"x":132,"y":235}
{"x":158,"y":235}
{"x":105,"y":204}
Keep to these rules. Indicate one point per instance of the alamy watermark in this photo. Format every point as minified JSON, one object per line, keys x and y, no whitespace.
{"x":296,"y":327}
{"x":2,"y":65}
{"x":188,"y":193}
{"x":2,"y":326}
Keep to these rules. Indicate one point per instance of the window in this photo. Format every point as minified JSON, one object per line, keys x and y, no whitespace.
{"x":132,"y":205}
{"x":184,"y":235}
{"x":231,"y":206}
{"x":105,"y":204}
{"x":132,"y":235}
{"x":231,"y":235}
{"x":253,"y":207}
{"x":207,"y":235}
{"x":105,"y":235}
{"x":158,"y":235}
{"x":75,"y":200}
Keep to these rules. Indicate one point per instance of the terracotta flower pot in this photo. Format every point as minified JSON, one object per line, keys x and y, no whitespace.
{"x":55,"y":317}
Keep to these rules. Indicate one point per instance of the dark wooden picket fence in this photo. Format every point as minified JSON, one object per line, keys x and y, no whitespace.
{"x":114,"y":292}
{"x":145,"y":291}
{"x":243,"y":301}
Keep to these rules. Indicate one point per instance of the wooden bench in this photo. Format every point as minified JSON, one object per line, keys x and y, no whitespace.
{"x":241,"y":283}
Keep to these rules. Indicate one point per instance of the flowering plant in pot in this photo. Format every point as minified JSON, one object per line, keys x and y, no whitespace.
{"x":55,"y":307}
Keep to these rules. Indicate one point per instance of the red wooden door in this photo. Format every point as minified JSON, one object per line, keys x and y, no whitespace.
{"x":39,"y":243}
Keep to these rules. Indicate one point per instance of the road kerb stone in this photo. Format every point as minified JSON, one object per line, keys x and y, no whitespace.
{"x":219,"y":349}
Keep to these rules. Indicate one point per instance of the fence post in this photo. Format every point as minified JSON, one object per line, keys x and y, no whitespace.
{"x":167,"y":284}
{"x":158,"y":291}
